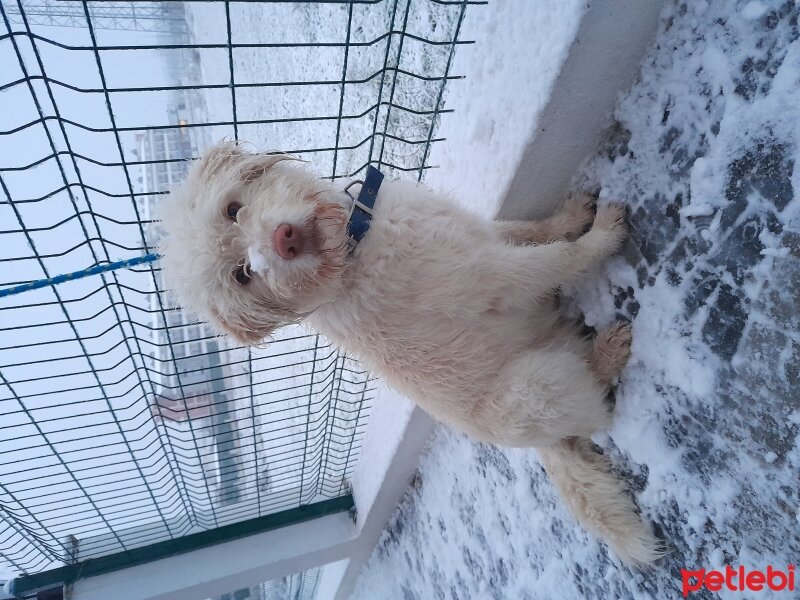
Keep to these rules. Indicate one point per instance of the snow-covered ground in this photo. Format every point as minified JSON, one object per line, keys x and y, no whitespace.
{"x":707,"y":427}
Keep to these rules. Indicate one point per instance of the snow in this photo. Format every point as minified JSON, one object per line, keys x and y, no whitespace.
{"x":388,"y":418}
{"x":492,"y":125}
{"x":258,"y":261}
{"x":707,"y":426}
{"x":754,"y":10}
{"x":697,"y":210}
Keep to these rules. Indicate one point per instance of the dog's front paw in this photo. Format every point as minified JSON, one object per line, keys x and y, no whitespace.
{"x":611,"y":350}
{"x":610,"y":220}
{"x":579,"y":211}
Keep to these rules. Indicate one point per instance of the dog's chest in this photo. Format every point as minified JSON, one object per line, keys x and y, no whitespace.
{"x":420,"y":287}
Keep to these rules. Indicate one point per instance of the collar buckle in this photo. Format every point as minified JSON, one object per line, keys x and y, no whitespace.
{"x":363,"y":205}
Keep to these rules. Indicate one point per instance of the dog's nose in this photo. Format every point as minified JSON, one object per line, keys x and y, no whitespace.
{"x":288,"y":241}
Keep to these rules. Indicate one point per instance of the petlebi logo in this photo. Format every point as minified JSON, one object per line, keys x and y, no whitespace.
{"x":739,"y":579}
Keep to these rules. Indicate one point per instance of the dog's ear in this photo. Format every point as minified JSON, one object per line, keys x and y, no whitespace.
{"x":231,"y":159}
{"x":248,"y":332}
{"x":220,"y":157}
{"x":254,"y":166}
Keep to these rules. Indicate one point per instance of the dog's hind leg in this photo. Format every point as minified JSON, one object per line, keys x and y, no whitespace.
{"x":572,"y":220}
{"x":611,"y":350}
{"x":542,"y":396}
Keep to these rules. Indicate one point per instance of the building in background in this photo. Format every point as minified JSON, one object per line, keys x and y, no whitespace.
{"x":160,"y":17}
{"x":191,"y":367}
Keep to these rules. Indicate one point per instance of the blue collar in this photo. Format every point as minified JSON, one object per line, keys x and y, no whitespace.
{"x":361,"y":217}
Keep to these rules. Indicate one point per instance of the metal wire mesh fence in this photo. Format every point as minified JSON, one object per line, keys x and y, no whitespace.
{"x":123,"y":421}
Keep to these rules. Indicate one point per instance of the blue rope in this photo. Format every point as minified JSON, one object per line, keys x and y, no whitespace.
{"x":95,"y":270}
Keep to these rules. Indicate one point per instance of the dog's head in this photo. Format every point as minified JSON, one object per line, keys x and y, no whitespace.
{"x":252,"y":241}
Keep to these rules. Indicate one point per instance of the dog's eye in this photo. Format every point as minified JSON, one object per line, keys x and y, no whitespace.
{"x":241,"y":276}
{"x":232,"y":210}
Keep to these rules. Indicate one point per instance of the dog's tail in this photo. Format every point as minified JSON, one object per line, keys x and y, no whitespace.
{"x":597,"y":500}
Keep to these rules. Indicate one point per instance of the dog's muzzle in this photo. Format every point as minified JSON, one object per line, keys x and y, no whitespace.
{"x":288,"y":241}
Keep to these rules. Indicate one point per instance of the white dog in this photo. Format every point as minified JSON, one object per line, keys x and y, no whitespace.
{"x":455,"y":311}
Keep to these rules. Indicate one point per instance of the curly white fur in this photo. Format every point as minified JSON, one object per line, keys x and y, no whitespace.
{"x":454,"y":311}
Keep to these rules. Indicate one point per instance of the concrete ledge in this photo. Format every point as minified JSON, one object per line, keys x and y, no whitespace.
{"x":603,"y":62}
{"x":397,"y":476}
{"x":219,"y":569}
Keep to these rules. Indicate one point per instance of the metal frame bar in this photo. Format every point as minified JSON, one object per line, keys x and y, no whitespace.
{"x":29,"y":584}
